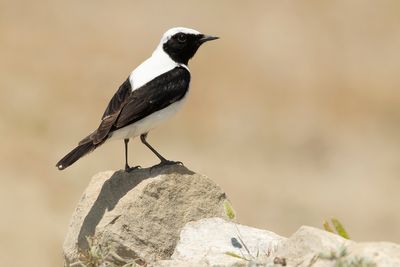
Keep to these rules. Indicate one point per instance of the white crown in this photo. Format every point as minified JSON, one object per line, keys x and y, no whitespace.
{"x":168,"y":34}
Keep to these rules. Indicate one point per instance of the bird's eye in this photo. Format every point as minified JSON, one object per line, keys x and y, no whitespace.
{"x":181,"y":38}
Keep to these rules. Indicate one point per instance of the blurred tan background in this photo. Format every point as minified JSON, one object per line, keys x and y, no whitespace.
{"x":294,"y":111}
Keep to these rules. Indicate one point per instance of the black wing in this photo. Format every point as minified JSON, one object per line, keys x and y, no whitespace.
{"x":119,"y":99}
{"x":154,"y":96}
{"x":110,"y":114}
{"x":129,"y":106}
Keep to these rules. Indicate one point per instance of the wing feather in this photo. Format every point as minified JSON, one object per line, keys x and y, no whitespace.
{"x":119,"y":99}
{"x":110,"y":115}
{"x":154,"y":96}
{"x":129,"y":106}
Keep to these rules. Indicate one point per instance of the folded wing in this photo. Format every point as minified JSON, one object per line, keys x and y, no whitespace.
{"x":127,"y":106}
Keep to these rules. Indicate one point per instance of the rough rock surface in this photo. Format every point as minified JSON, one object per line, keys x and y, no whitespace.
{"x":170,"y":216}
{"x":208,"y":240}
{"x":205,"y":242}
{"x":176,"y":263}
{"x":317,"y":248}
{"x":384,"y":254}
{"x":140,"y":214}
{"x":303,"y":247}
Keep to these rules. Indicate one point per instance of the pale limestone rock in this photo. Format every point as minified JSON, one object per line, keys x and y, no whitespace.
{"x":314,"y":247}
{"x":152,"y":214}
{"x":140,"y":214}
{"x":383,"y":254}
{"x":307,"y":243}
{"x":208,"y":240}
{"x":176,"y":263}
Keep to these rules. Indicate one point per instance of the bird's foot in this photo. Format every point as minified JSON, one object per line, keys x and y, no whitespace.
{"x":129,"y":169}
{"x":170,"y":162}
{"x":167,"y":162}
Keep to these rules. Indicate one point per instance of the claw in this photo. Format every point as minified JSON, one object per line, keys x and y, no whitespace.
{"x":166,"y":162}
{"x":129,"y":169}
{"x":170,"y":162}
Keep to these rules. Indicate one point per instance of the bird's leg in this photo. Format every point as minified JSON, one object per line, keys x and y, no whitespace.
{"x":164,"y":161}
{"x":126,"y":141}
{"x":127,"y":168}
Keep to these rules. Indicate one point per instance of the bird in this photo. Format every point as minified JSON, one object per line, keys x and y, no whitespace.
{"x":153,"y":92}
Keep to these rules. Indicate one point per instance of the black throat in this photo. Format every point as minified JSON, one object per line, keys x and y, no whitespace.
{"x":181,"y":52}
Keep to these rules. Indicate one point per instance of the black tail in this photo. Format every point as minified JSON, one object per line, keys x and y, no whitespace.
{"x":76,"y":154}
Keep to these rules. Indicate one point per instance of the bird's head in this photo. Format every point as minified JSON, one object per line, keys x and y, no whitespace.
{"x":182,"y":43}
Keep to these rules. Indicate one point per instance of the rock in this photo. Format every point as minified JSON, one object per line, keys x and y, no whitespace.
{"x":205,"y":242}
{"x":208,"y":240}
{"x":383,"y":254}
{"x":176,"y":263}
{"x":302,"y":248}
{"x":139,"y":215}
{"x":169,"y":216}
{"x":317,"y":248}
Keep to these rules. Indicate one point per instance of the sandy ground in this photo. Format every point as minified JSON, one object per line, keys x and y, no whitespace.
{"x":294,"y":111}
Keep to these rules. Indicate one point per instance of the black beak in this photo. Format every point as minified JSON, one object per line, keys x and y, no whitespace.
{"x":206,"y":38}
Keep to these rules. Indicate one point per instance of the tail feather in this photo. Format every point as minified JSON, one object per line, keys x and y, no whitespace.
{"x":76,"y":154}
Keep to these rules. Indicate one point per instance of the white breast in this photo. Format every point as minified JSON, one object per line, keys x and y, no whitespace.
{"x":157,"y":64}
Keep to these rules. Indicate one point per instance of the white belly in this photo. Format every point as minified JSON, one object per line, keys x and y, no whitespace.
{"x":146,"y":124}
